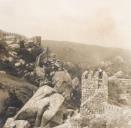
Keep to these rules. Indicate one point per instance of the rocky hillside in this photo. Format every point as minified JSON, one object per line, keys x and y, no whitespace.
{"x":41,"y":87}
{"x":86,"y":56}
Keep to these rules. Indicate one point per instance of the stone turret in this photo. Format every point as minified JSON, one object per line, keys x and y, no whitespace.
{"x":94,"y":92}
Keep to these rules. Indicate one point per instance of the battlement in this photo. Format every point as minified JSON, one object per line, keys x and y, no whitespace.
{"x":94,"y":93}
{"x":110,"y":109}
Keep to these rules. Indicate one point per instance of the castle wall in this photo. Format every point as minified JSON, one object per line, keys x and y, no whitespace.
{"x":110,"y":109}
{"x":94,"y":94}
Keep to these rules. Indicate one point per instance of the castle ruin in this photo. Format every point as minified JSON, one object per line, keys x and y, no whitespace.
{"x":94,"y":93}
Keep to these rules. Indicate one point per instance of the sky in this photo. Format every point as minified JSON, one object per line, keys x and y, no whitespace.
{"x":99,"y":22}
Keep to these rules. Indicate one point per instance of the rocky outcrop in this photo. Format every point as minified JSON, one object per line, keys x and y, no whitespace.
{"x":62,"y":82}
{"x":17,"y":88}
{"x":42,"y":107}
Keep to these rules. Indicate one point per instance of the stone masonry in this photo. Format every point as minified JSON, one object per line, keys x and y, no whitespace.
{"x":94,"y":93}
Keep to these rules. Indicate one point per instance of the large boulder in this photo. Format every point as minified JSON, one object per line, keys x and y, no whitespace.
{"x":11,"y":123}
{"x":75,"y":82}
{"x":42,"y":107}
{"x":61,"y":77}
{"x":62,"y":83}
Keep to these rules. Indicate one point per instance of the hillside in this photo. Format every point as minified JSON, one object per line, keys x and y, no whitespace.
{"x":88,"y":55}
{"x":15,"y":91}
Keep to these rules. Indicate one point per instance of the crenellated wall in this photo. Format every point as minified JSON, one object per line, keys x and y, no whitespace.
{"x":110,"y":109}
{"x":10,"y":36}
{"x":94,"y":94}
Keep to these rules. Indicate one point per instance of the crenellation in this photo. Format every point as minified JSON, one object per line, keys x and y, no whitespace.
{"x":94,"y":93}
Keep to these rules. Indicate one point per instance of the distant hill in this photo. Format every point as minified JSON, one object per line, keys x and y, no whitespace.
{"x":85,"y":54}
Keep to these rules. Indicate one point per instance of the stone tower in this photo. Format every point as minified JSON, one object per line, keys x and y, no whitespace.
{"x":94,"y":93}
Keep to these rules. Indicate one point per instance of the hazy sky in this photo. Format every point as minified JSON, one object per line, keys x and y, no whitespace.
{"x":101,"y":22}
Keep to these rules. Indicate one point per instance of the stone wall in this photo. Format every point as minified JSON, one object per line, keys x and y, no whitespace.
{"x":110,"y":109}
{"x":94,"y":94}
{"x":9,"y":36}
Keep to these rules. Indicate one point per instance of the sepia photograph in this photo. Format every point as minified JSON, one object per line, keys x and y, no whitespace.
{"x":65,"y":63}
